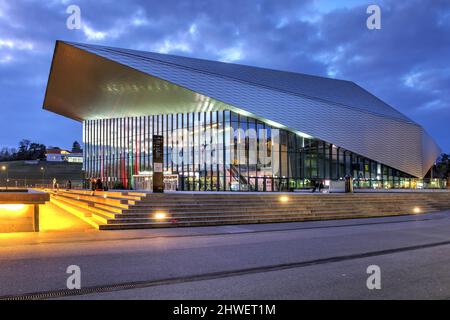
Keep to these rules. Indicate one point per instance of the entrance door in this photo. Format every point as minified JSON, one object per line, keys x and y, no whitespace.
{"x":171,"y":182}
{"x":143,"y":183}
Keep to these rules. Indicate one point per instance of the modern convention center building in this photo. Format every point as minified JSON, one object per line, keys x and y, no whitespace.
{"x":228,"y":126}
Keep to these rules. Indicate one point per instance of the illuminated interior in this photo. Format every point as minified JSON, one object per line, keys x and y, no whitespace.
{"x":222,"y":151}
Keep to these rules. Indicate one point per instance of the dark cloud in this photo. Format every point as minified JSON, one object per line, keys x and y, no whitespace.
{"x":405,"y":63}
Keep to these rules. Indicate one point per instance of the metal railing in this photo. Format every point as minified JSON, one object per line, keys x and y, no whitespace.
{"x":39,"y":183}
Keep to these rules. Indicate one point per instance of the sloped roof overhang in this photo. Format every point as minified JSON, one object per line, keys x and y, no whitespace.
{"x":86,"y":85}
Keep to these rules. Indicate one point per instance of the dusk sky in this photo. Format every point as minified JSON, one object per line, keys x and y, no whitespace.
{"x":406,"y":63}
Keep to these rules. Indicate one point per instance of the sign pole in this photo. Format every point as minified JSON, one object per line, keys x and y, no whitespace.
{"x":158,"y":161}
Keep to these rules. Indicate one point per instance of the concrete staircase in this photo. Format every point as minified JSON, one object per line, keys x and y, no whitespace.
{"x":132,"y":210}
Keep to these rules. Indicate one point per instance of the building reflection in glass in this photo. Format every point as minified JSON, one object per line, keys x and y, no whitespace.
{"x":223,"y":151}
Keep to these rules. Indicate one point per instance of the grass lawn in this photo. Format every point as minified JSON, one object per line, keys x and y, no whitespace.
{"x":32,"y":173}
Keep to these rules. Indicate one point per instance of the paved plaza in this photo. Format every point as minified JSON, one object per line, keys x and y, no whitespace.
{"x":326,"y":259}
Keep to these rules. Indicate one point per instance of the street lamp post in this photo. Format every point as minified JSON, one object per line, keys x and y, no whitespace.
{"x":43,"y":171}
{"x":5,"y":168}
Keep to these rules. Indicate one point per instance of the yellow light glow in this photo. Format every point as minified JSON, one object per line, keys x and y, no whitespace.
{"x":55,"y":222}
{"x":416,"y":210}
{"x":13,"y":210}
{"x":160,"y":215}
{"x":12,"y":207}
{"x":284,"y":199}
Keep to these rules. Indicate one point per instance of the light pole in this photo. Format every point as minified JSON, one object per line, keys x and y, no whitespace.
{"x":5,"y":168}
{"x":43,"y":171}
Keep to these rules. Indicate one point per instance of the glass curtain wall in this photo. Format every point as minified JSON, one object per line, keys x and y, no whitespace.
{"x":223,"y":151}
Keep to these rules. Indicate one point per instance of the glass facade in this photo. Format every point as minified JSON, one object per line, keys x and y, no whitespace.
{"x":224,"y":151}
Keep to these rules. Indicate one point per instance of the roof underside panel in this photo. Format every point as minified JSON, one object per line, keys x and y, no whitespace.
{"x":83,"y":86}
{"x":377,"y":134}
{"x":332,"y":90}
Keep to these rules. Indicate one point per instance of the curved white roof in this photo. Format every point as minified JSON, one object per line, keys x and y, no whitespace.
{"x":336,"y":111}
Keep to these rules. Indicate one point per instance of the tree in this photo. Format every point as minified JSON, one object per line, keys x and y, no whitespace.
{"x":443,"y":166}
{"x":7,"y":154}
{"x":76,"y":148}
{"x":27,"y":151}
{"x":36,"y":151}
{"x":23,"y":150}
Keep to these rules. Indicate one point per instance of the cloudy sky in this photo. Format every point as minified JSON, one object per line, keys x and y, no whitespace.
{"x":406,"y":63}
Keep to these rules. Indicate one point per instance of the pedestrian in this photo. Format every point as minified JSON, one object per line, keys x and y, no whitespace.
{"x":321,"y":186}
{"x":69,"y":184}
{"x":93,"y":186}
{"x":54,"y":183}
{"x":315,"y":184}
{"x":99,"y":184}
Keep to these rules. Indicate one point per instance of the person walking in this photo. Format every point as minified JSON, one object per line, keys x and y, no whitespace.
{"x":93,"y":186}
{"x":315,"y":183}
{"x":54,"y":183}
{"x":69,"y":184}
{"x":321,"y":185}
{"x":99,"y":184}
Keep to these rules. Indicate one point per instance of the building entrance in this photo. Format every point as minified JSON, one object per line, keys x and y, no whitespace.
{"x":144,"y":181}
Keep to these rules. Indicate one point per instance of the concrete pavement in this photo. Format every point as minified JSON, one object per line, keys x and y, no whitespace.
{"x":404,"y":275}
{"x":326,"y":259}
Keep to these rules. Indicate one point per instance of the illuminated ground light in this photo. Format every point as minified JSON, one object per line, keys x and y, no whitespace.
{"x":12,"y":207}
{"x":160,"y":215}
{"x":417,"y":210}
{"x":14,"y":210}
{"x":284,"y":199}
{"x":19,"y":211}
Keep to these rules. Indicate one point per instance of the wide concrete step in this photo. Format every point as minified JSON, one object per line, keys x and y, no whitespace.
{"x":83,"y":202}
{"x":190,"y":223}
{"x":125,"y":210}
{"x":253,"y":210}
{"x":193,"y":218}
{"x":280,"y":200}
{"x":265,"y":208}
{"x":96,"y":199}
{"x":169,"y":197}
{"x":248,"y":209}
{"x":219,"y":215}
{"x":109,"y":207}
{"x":213,"y":213}
{"x":229,"y":218}
{"x":98,"y":216}
{"x":109,"y":194}
{"x":80,"y":212}
{"x":182,"y":205}
{"x":178,"y":211}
